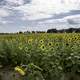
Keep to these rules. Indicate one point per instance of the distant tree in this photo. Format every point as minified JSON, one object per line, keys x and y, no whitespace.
{"x":70,"y":30}
{"x":52,"y":31}
{"x":20,"y":32}
{"x":27,"y":32}
{"x":33,"y":31}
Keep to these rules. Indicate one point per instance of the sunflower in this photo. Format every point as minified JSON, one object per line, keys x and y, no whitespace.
{"x":50,"y":44}
{"x":67,"y":44}
{"x":42,"y":47}
{"x":20,"y":46}
{"x":20,"y":70}
{"x":30,"y":41}
{"x":41,"y":41}
{"x":26,"y":48}
{"x":76,"y":38}
{"x":69,"y":39}
{"x":57,"y":44}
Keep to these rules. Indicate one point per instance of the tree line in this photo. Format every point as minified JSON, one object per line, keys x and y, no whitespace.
{"x":70,"y":30}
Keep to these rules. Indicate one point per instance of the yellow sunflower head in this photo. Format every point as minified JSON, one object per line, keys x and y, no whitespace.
{"x":67,"y":44}
{"x":42,"y":47}
{"x":76,"y":38}
{"x":20,"y":70}
{"x":56,"y":43}
{"x":41,"y":41}
{"x":69,"y":39}
{"x":30,"y":41}
{"x":20,"y":46}
{"x":26,"y":48}
{"x":50,"y":44}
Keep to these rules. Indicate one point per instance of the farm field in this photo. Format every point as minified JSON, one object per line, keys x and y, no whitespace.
{"x":43,"y":56}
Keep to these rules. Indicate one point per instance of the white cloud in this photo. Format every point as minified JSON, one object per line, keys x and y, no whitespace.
{"x":73,"y":17}
{"x":53,"y":21}
{"x":19,"y":2}
{"x":4,"y":21}
{"x":4,"y":12}
{"x":39,"y":9}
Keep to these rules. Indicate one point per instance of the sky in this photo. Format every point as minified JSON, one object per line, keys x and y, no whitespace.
{"x":38,"y":15}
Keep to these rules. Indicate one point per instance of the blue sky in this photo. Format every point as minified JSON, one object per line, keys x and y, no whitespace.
{"x":22,"y":15}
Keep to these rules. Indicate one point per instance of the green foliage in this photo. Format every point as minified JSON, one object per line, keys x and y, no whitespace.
{"x":48,"y":56}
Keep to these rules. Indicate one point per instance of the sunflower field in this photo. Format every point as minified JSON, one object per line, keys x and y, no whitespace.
{"x":41,"y":56}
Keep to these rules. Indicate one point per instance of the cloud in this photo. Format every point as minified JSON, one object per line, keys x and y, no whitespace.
{"x":17,"y":2}
{"x":5,"y":22}
{"x":39,"y":14}
{"x":13,"y":3}
{"x":39,"y":9}
{"x":70,"y":21}
{"x":4,"y":12}
{"x":73,"y":20}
